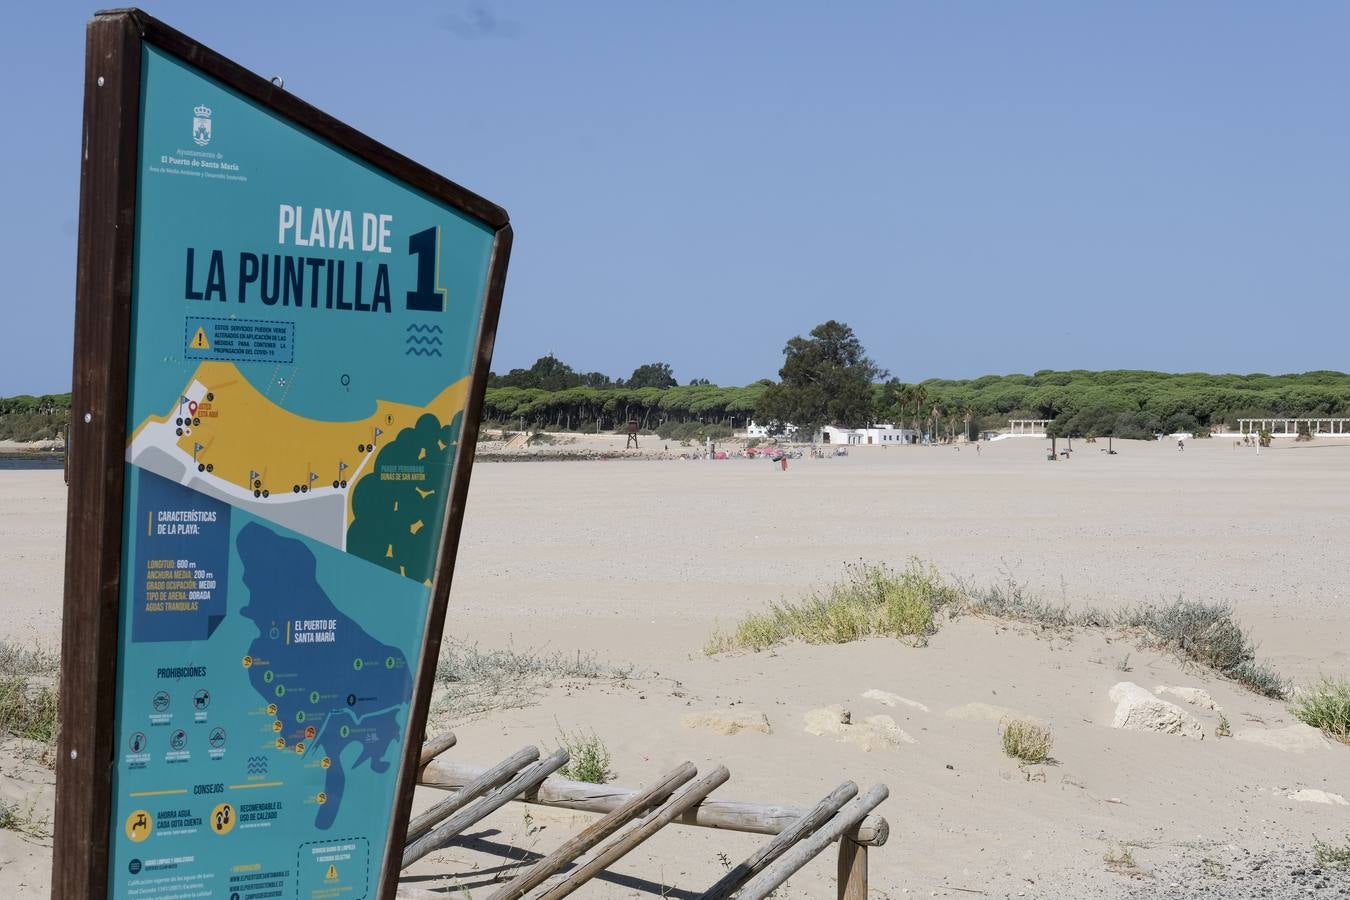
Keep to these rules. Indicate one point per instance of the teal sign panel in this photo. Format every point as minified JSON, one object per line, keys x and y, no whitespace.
{"x":304,"y":327}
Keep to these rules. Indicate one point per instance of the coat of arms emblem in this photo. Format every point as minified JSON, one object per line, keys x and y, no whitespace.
{"x":201,"y":125}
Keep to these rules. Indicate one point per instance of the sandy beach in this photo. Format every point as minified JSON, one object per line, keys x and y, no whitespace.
{"x":638,"y":562}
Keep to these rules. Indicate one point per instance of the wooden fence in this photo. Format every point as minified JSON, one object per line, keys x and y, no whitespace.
{"x":629,"y":816}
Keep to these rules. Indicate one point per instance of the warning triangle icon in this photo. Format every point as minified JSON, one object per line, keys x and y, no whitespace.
{"x":199,"y":341}
{"x":332,"y":872}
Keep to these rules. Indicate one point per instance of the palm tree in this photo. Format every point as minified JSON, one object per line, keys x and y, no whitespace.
{"x":918,"y":396}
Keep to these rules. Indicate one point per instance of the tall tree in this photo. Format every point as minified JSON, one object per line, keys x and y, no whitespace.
{"x":655,"y":375}
{"x":548,"y":373}
{"x":826,"y":379}
{"x":918,"y":399}
{"x":890,"y":401}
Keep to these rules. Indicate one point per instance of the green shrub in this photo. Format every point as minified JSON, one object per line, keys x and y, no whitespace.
{"x":1330,"y":856}
{"x":869,"y":600}
{"x":1325,"y":705}
{"x":33,"y":426}
{"x":1208,"y":634}
{"x":1027,"y":741}
{"x":588,"y":758}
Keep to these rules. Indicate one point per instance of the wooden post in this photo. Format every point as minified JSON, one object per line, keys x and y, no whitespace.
{"x":844,"y":822}
{"x":775,"y":848}
{"x":86,"y":751}
{"x":852,"y":868}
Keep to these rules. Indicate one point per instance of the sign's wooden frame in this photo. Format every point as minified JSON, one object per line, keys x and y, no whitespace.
{"x":98,"y":434}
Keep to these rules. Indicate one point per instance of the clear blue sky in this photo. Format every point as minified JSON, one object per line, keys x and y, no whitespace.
{"x":974,"y":187}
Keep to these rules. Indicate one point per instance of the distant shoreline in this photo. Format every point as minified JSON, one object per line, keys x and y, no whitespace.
{"x":26,"y":449}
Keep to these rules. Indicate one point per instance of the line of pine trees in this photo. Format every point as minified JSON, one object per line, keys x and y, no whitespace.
{"x":827,"y":378}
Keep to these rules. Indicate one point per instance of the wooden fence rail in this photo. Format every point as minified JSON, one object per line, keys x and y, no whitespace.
{"x":630,"y":816}
{"x":594,"y":833}
{"x":754,"y":818}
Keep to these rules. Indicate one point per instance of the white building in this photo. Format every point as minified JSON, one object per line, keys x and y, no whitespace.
{"x":881,"y":434}
{"x":755,"y":430}
{"x":831,"y":434}
{"x":1033,"y":428}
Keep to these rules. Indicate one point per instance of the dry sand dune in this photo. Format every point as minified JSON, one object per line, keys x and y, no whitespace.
{"x":664,"y":549}
{"x":638,"y":562}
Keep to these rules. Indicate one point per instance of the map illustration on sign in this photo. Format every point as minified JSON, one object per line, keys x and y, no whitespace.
{"x":304,"y":331}
{"x":228,"y":440}
{"x":316,"y":718}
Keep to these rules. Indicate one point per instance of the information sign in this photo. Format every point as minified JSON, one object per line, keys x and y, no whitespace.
{"x":282,"y":339}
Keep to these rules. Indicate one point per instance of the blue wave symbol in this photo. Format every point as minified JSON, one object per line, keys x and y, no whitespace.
{"x":427,"y":328}
{"x":415,"y":339}
{"x":422,"y":351}
{"x":257,"y":765}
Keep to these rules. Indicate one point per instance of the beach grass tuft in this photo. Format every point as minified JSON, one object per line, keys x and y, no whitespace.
{"x":870,"y":600}
{"x":1120,"y":859}
{"x":1010,"y":599}
{"x":1325,"y":705}
{"x":29,"y":694}
{"x":875,"y":600}
{"x":1026,"y":741}
{"x":589,"y":758}
{"x":1330,"y":856}
{"x":14,"y":817}
{"x":1208,"y":634}
{"x":476,"y":681}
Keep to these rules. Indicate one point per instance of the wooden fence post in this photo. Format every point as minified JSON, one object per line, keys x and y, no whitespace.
{"x":852,"y":867}
{"x":844,"y":822}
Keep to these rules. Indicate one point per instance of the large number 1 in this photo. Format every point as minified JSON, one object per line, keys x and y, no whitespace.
{"x":428,"y":297}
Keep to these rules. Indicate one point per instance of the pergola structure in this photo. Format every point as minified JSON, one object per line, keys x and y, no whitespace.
{"x":1028,"y":427}
{"x":1337,"y":427}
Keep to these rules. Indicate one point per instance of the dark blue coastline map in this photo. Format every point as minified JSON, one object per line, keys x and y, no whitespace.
{"x":291,"y":669}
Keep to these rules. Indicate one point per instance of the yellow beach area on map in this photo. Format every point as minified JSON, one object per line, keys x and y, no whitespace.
{"x":246,"y":444}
